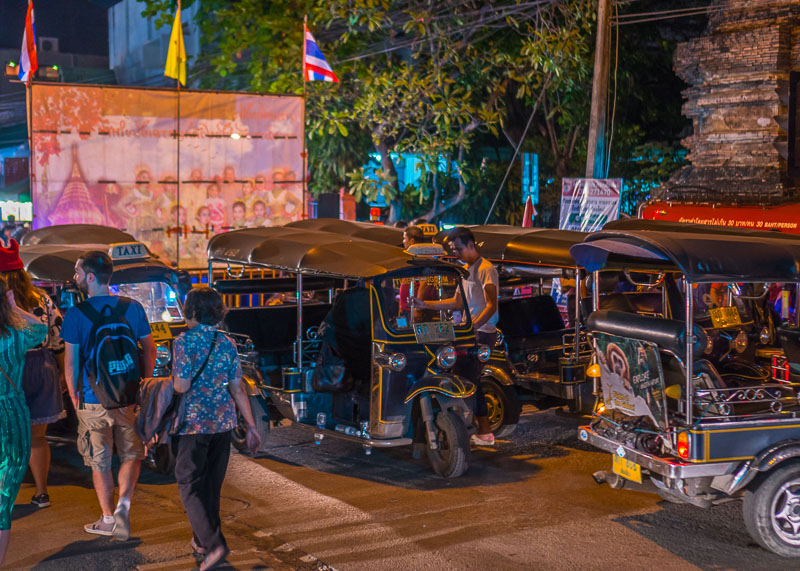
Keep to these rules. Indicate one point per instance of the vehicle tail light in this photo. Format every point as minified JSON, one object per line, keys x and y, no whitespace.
{"x":683,"y":444}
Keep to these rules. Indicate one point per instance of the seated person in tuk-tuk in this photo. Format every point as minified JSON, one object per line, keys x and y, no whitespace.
{"x":346,"y":335}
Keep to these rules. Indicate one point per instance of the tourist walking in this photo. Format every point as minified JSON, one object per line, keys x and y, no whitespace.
{"x":44,"y":366}
{"x":20,"y":331}
{"x":206,"y":368}
{"x":103,"y":389}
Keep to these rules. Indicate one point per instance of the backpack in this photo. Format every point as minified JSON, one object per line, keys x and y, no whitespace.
{"x":112,"y":365}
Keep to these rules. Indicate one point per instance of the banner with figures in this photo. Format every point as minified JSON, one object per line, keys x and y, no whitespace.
{"x":170,"y":167}
{"x":588,"y":203}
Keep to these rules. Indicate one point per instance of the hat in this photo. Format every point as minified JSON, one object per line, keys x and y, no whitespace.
{"x":9,"y":258}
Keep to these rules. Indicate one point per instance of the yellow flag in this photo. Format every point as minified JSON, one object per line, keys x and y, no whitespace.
{"x":176,"y":55}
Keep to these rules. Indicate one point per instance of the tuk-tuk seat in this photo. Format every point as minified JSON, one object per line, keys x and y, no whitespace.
{"x":609,"y":301}
{"x":273,"y":328}
{"x":525,"y":316}
{"x":644,"y":301}
{"x":347,"y":330}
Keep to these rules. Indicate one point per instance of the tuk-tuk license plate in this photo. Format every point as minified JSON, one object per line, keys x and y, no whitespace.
{"x":626,"y":469}
{"x":434,"y":332}
{"x":722,"y":317}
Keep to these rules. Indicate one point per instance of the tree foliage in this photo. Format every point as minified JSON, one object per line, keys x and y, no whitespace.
{"x":446,"y":80}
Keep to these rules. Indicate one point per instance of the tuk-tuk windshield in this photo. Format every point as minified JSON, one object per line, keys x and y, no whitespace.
{"x":159,"y":300}
{"x":397,"y":293}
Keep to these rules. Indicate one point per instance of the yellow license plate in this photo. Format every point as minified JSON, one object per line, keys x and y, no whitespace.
{"x":627,"y":469}
{"x":161,"y":331}
{"x":722,"y":317}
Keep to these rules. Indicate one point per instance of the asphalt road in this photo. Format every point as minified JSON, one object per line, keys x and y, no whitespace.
{"x":529,"y":503}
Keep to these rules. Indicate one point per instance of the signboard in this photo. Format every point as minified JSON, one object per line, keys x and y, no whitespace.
{"x":172,"y":168}
{"x":588,"y":203}
{"x":530,"y":178}
{"x":630,"y":371}
{"x":784,"y":217}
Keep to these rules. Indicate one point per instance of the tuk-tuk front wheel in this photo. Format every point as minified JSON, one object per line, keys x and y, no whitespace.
{"x":504,"y":408}
{"x":451,"y":458}
{"x":772,"y":511}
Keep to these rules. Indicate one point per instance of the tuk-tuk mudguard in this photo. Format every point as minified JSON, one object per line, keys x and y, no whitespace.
{"x":447,"y":385}
{"x":500,"y":374}
{"x":768,"y":460}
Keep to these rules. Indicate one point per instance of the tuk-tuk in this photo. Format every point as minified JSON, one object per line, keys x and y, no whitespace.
{"x":701,"y":405}
{"x":365,"y":366}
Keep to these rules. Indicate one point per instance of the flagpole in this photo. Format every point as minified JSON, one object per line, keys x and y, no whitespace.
{"x":178,"y":159}
{"x":29,"y":97}
{"x":303,"y":68}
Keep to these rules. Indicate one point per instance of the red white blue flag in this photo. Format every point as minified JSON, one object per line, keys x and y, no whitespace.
{"x":28,"y":63}
{"x":315,"y":68}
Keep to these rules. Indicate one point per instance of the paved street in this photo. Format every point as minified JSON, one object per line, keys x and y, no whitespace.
{"x":531,"y":503}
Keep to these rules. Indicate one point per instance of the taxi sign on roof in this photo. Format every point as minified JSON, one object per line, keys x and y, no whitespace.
{"x":128,"y":251}
{"x":428,"y":229}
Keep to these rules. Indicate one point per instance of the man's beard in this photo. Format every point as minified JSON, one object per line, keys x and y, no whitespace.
{"x":82,"y":287}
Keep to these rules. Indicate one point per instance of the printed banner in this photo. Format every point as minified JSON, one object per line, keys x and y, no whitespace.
{"x":172,"y":168}
{"x":631,"y":377}
{"x":588,"y":203}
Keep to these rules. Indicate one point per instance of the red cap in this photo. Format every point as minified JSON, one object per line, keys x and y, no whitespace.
{"x":9,"y":258}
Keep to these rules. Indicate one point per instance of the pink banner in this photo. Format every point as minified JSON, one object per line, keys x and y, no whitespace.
{"x":111,"y":156}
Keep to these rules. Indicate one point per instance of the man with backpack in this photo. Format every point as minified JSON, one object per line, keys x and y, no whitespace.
{"x":104,"y":367}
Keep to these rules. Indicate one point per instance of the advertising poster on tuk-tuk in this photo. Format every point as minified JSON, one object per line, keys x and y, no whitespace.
{"x":632,"y":377}
{"x":171,"y":167}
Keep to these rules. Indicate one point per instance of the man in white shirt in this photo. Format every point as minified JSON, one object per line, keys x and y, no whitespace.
{"x":480,"y":290}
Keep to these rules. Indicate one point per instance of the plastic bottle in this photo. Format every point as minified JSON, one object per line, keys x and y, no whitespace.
{"x":318,"y":436}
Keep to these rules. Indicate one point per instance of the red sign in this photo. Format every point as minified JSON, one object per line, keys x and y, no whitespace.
{"x":785,"y":217}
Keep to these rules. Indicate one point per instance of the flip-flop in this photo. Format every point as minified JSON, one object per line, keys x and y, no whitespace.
{"x":197,"y":548}
{"x":214,"y":558}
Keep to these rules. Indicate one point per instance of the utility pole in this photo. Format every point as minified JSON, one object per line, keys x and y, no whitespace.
{"x":596,"y":151}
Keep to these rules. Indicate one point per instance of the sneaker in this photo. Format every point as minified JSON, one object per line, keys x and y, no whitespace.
{"x":99,"y":527}
{"x":122,"y":523}
{"x":482,"y":439}
{"x":42,"y":500}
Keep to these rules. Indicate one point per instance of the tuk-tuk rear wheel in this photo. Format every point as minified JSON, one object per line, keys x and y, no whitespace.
{"x":504,"y":408}
{"x":772,"y":510}
{"x":451,"y":459}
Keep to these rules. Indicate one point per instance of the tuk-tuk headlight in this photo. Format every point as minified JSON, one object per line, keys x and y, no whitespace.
{"x":764,"y":337}
{"x":395,"y":361}
{"x":483,"y":353}
{"x":163,"y":355}
{"x":446,"y":356}
{"x":740,"y":343}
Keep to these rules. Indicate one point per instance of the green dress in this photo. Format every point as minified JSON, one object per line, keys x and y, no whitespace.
{"x":15,"y":422}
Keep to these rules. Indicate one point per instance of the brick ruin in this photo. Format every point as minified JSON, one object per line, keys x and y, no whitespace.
{"x":738,"y":75}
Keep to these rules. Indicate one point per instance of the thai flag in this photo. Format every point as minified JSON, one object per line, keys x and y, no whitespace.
{"x":28,"y":63}
{"x":315,"y":68}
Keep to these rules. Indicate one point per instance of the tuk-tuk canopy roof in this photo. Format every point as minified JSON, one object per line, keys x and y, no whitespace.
{"x":373,"y":232}
{"x":91,"y":234}
{"x":303,"y":251}
{"x":672,"y":226}
{"x":517,"y":245}
{"x":699,"y":255}
{"x":56,"y":262}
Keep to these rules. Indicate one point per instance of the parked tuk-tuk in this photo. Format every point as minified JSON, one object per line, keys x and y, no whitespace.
{"x":701,"y":405}
{"x":365,"y":366}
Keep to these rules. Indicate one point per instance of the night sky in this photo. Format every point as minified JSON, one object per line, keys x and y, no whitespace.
{"x":81,"y":26}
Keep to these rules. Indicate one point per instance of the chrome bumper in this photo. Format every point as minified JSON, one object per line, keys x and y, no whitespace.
{"x":662,"y":466}
{"x":374,"y":442}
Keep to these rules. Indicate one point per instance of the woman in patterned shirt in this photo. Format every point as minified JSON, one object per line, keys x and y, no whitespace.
{"x":204,"y":436}
{"x":44,"y":367}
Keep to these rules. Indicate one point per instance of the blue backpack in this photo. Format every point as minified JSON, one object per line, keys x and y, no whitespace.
{"x":112,"y":365}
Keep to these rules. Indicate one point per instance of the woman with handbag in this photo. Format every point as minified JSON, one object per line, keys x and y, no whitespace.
{"x":206,"y":368}
{"x":44,"y":367}
{"x":19,"y":332}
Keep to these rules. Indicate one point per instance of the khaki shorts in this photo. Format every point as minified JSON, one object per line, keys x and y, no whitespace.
{"x":100,"y":429}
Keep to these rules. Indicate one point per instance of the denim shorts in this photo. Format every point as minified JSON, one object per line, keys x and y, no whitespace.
{"x":100,"y":429}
